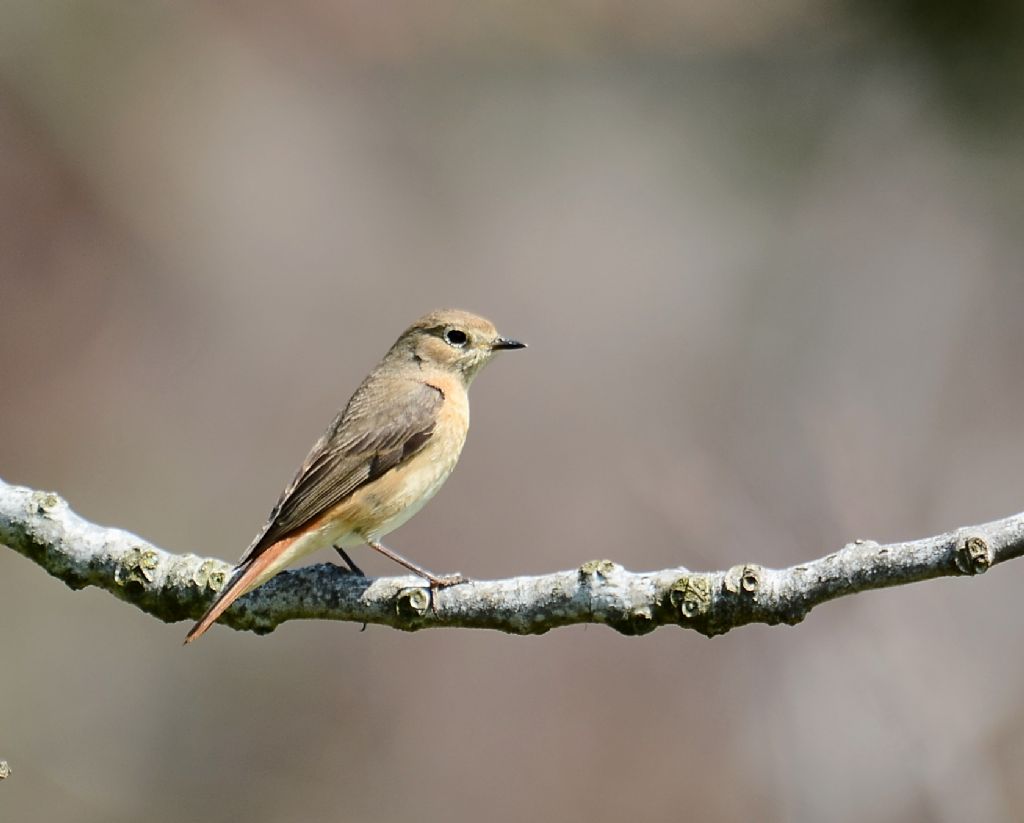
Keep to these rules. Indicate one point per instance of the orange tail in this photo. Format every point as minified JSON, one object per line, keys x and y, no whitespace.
{"x":247,"y":576}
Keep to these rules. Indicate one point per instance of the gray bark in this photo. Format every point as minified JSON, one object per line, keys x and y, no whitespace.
{"x":172,"y":587}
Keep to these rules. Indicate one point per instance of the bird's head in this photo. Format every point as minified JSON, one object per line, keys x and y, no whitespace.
{"x":452,"y":340}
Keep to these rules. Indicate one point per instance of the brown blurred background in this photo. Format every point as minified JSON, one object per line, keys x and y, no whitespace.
{"x":768,"y":258}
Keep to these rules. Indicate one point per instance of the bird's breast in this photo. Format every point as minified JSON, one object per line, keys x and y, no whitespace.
{"x":386,"y":503}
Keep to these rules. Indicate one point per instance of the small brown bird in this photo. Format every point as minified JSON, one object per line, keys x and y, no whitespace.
{"x":384,"y":456}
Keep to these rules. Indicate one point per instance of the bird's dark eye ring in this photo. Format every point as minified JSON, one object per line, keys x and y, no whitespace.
{"x":455,"y":337}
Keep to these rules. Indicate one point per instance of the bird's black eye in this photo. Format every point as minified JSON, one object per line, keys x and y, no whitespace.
{"x":455,"y":337}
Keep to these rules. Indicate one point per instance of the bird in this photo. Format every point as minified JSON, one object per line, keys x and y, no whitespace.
{"x":385,"y":454}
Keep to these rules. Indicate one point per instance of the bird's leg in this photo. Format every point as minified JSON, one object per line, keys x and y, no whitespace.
{"x":435,"y":581}
{"x":352,"y":567}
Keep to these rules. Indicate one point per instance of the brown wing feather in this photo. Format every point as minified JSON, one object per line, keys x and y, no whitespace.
{"x":386,"y":422}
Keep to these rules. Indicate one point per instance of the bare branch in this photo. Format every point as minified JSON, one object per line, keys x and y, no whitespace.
{"x":174,"y":587}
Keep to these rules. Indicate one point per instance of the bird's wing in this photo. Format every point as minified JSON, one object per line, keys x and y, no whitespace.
{"x":387,"y":421}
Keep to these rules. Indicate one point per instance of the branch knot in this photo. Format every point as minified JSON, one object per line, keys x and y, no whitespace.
{"x":973,"y":555}
{"x":743,"y":580}
{"x":690,"y":596}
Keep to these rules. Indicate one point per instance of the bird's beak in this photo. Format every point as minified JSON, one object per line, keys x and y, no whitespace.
{"x":500,"y":343}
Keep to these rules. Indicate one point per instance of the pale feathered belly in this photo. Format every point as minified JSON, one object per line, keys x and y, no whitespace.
{"x":375,"y":510}
{"x":386,"y":503}
{"x":397,"y":496}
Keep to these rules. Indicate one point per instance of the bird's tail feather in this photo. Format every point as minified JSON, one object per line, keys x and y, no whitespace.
{"x":245,"y":578}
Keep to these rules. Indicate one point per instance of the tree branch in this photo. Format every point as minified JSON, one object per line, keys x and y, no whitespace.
{"x":175,"y":587}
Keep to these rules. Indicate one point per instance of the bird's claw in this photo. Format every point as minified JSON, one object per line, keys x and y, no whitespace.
{"x":447,"y":580}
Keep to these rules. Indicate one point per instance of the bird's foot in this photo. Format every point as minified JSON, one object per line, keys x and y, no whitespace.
{"x":447,"y":580}
{"x":438,"y":583}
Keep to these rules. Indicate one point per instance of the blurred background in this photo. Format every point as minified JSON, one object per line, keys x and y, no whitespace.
{"x":768,"y":258}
